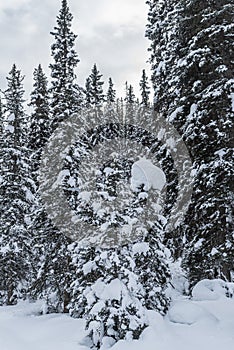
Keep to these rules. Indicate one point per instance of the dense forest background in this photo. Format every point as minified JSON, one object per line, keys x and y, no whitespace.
{"x":191,"y":54}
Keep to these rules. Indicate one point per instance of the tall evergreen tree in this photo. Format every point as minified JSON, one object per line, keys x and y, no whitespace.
{"x":40,"y":117}
{"x":126,"y":90}
{"x":191,"y":53}
{"x":145,"y":90}
{"x":111,"y":93}
{"x":137,"y":272}
{"x":15,"y":193}
{"x":40,"y":124}
{"x":66,"y":94}
{"x":130,"y":96}
{"x":164,"y":17}
{"x":48,"y":246}
{"x":51,"y":283}
{"x":208,"y":74}
{"x":95,"y":92}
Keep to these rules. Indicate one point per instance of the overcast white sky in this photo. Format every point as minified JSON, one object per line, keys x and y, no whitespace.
{"x":110,"y":33}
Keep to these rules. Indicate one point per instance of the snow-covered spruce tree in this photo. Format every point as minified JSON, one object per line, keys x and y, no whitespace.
{"x":15,"y":194}
{"x":113,"y":307}
{"x":95,"y":88}
{"x":191,"y":55}
{"x":40,"y":124}
{"x":112,"y":288}
{"x":41,"y":229}
{"x":111,"y":291}
{"x":130,"y":96}
{"x":66,"y":94}
{"x":111,"y":92}
{"x":40,"y":130}
{"x":162,"y":30}
{"x":145,"y":90}
{"x":209,"y":134}
{"x":52,"y":281}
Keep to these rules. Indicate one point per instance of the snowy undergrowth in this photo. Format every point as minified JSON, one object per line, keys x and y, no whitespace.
{"x":204,"y":321}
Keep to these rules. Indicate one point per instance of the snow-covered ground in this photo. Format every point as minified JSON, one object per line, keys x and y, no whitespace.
{"x":204,"y":322}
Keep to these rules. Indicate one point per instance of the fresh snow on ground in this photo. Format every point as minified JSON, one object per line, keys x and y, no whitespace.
{"x":198,"y":323}
{"x":22,"y":329}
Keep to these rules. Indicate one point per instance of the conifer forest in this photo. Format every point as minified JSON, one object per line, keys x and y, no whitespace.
{"x":116,"y":212}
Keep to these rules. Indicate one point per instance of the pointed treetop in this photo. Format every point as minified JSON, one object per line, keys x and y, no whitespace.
{"x":65,"y":16}
{"x":111,"y":92}
{"x":40,"y":79}
{"x":96,"y":90}
{"x":130,"y":96}
{"x":14,"y":92}
{"x":66,"y":94}
{"x":40,"y":126}
{"x":16,"y":119}
{"x":145,"y":90}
